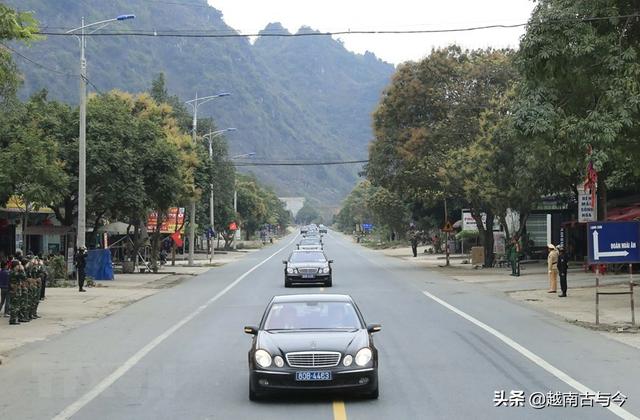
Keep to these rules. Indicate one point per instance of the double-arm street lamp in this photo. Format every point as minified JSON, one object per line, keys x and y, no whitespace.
{"x":82,"y":140}
{"x":195,"y":103}
{"x":210,"y":136}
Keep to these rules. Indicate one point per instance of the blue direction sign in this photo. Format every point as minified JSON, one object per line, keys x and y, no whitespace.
{"x":613,"y":242}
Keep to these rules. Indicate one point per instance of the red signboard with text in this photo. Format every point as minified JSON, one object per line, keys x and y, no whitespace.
{"x":173,"y":221}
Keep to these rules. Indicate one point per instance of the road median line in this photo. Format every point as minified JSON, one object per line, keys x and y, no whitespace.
{"x":339,"y":410}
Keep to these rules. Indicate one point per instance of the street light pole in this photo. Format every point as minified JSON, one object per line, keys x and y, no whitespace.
{"x":212,"y":135}
{"x":82,"y":136}
{"x":195,"y":103}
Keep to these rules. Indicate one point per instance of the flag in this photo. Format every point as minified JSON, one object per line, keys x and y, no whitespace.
{"x":591,"y":183}
{"x":177,"y":239}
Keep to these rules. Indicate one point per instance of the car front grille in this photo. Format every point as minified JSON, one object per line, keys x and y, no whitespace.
{"x":308,"y":270}
{"x":310,"y":359}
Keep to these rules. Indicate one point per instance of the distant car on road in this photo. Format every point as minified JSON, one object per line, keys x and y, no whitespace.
{"x":307,"y":267}
{"x":310,"y":244}
{"x":322,"y":229}
{"x":315,"y":342}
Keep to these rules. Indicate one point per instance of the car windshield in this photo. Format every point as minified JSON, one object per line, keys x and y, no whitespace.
{"x":312,"y":315}
{"x":307,"y":257}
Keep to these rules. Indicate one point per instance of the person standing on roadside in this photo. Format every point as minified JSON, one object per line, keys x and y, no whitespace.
{"x":4,"y":287}
{"x":563,"y":266}
{"x":413,"y":238}
{"x":552,"y":265}
{"x":81,"y":264}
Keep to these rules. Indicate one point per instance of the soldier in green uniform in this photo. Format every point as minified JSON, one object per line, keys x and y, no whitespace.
{"x":33,"y":283}
{"x":16,"y":279}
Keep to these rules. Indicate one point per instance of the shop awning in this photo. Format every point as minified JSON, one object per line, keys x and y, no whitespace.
{"x":631,"y":212}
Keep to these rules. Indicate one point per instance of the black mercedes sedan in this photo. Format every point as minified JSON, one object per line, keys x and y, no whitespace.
{"x":308,"y":267}
{"x":315,"y":342}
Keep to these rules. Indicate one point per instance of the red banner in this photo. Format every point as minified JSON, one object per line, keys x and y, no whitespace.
{"x":172,"y":222}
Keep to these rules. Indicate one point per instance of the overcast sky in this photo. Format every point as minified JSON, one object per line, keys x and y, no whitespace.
{"x":250,"y":16}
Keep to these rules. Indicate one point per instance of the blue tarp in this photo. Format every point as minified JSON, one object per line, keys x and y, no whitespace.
{"x":99,"y":266}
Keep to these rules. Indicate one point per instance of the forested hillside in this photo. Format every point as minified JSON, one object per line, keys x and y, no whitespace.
{"x":292,"y":98}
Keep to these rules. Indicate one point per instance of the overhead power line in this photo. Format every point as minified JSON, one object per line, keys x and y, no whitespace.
{"x":190,"y":33}
{"x":281,"y":163}
{"x":48,"y":68}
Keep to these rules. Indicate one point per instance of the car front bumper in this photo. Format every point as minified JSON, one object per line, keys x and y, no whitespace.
{"x":313,"y":278}
{"x":362,"y":380}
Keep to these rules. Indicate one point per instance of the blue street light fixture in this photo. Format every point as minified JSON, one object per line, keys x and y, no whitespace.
{"x":126,"y":17}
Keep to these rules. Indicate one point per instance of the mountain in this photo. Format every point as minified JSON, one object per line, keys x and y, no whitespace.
{"x":292,"y":98}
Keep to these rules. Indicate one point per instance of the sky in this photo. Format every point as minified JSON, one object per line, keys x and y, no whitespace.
{"x":250,"y":16}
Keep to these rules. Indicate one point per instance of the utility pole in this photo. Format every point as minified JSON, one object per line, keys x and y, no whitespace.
{"x":82,"y":135}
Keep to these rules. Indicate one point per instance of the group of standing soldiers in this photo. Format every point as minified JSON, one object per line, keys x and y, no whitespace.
{"x":26,"y":285}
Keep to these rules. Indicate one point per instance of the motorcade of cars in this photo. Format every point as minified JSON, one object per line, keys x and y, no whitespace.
{"x":308,"y":267}
{"x":313,"y":343}
{"x":310,"y":244}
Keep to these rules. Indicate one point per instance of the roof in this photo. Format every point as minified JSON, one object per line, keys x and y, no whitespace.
{"x":319,"y":297}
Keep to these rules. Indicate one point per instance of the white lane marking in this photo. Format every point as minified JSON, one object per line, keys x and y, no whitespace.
{"x":619,"y":411}
{"x":73,"y":408}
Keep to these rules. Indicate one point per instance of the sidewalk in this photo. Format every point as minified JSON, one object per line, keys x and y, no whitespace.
{"x":532,"y":285}
{"x":65,"y":308}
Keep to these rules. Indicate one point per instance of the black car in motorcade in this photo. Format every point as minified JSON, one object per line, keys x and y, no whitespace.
{"x":316,"y":342}
{"x":307,"y":267}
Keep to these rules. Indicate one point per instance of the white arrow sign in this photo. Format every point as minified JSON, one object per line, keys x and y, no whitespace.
{"x":596,"y":250}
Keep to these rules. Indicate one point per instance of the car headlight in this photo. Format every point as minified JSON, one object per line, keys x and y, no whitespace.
{"x":325,"y":270}
{"x":348,"y":359}
{"x":278,"y":361}
{"x":363,"y":356}
{"x":291,"y":270}
{"x":263,"y":358}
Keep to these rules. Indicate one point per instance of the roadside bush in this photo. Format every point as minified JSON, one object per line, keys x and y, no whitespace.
{"x":56,"y":268}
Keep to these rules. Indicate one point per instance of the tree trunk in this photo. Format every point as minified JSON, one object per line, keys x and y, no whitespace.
{"x":155,"y":242}
{"x":485,"y":233}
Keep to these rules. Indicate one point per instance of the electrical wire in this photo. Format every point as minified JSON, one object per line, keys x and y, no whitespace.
{"x":328,"y":163}
{"x":51,"y":69}
{"x":234,"y":34}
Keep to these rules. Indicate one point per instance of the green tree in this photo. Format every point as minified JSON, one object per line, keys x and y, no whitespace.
{"x":307,"y":214}
{"x":31,"y":170}
{"x":20,"y":26}
{"x":581,"y":88}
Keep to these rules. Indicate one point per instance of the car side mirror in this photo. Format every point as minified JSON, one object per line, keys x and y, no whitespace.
{"x":374,"y":328}
{"x":284,"y":261}
{"x":251,"y":330}
{"x":330,"y":261}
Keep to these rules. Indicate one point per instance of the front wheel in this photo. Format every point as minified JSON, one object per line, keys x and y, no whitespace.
{"x":287,"y":283}
{"x":328,"y":283}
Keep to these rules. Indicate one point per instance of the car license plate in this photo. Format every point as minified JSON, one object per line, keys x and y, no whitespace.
{"x":313,"y":376}
{"x":308,"y":276}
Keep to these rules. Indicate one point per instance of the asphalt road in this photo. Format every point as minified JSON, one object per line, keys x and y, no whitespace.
{"x":445,"y":348}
